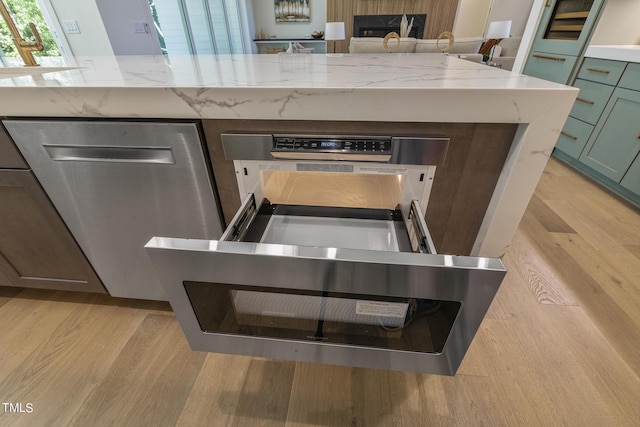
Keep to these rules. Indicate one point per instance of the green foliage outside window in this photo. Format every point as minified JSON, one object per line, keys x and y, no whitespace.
{"x":24,"y":12}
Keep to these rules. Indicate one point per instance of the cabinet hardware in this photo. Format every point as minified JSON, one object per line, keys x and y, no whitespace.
{"x":595,"y":70}
{"x":548,"y":3}
{"x":585,"y":101}
{"x":549,"y":58}
{"x":638,"y":137}
{"x":563,"y":133}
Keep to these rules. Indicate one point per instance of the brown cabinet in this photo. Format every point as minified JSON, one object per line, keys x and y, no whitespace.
{"x":36,"y":248}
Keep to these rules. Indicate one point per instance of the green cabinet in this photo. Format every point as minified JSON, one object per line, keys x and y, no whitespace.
{"x":574,"y":137}
{"x":566,"y":26}
{"x":631,"y":180}
{"x":601,"y":137}
{"x":552,"y":67}
{"x":615,"y":142}
{"x":590,"y":101}
{"x":631,"y":77}
{"x":561,"y":38}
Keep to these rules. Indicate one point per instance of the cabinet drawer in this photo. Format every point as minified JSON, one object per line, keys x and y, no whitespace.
{"x":553,"y":67}
{"x":601,"y":70}
{"x":590,"y":101}
{"x":631,"y":77}
{"x":631,"y":180}
{"x":574,"y":137}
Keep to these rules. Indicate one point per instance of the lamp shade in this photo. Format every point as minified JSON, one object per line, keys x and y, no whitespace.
{"x":498,"y":30}
{"x":334,"y":31}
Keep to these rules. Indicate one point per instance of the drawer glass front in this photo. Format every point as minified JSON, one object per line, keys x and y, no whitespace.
{"x":409,"y":324}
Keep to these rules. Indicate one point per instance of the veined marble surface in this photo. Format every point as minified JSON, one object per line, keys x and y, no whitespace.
{"x":627,"y":53}
{"x":391,"y":87}
{"x":402,"y":87}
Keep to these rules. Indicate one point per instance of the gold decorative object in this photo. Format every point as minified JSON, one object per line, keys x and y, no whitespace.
{"x":445,"y":35}
{"x":385,"y":41}
{"x":24,"y":47}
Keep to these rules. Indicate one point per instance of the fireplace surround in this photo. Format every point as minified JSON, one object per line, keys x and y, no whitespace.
{"x":381,"y":25}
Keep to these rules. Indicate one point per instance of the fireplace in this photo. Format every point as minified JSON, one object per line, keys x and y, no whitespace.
{"x":381,"y":25}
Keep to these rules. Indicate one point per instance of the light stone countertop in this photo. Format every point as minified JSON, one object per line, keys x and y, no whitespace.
{"x":627,"y":53}
{"x":377,"y":87}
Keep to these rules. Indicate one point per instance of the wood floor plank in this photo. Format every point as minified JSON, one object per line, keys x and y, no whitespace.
{"x":7,"y":293}
{"x":633,"y":250}
{"x":386,"y":398}
{"x":265,"y":394}
{"x":606,"y":369}
{"x":617,"y":273}
{"x":55,"y":377}
{"x":544,"y":282}
{"x":27,"y":323}
{"x":150,"y":380}
{"x":216,"y":391}
{"x":547,"y":217}
{"x":607,"y":314}
{"x":321,"y":395}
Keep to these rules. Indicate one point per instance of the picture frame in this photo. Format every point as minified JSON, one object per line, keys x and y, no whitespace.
{"x":292,"y":10}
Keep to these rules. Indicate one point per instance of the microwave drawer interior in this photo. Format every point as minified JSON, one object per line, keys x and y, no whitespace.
{"x":332,"y":227}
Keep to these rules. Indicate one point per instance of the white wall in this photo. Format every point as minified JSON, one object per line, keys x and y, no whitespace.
{"x":517,"y":11}
{"x":619,"y":23}
{"x":118,"y":17}
{"x":265,"y":18}
{"x":93,"y":38}
{"x":471,"y":18}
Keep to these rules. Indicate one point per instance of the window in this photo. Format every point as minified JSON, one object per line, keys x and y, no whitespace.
{"x":23,"y":13}
{"x":203,"y":26}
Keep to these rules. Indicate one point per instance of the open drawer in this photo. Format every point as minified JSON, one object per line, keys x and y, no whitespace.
{"x":347,"y":286}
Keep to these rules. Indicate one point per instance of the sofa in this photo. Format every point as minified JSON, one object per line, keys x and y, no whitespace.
{"x":464,"y":47}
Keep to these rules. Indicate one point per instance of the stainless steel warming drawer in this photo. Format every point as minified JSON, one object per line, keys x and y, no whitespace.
{"x":329,"y":259}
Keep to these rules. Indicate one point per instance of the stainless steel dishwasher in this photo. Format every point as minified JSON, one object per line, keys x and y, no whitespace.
{"x":118,"y":183}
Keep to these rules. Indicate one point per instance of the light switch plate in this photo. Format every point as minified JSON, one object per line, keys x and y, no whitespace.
{"x":71,"y":26}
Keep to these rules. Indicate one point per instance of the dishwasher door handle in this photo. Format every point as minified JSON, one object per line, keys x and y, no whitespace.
{"x":108,"y":153}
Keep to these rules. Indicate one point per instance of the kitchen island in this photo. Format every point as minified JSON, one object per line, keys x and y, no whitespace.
{"x":330,"y":91}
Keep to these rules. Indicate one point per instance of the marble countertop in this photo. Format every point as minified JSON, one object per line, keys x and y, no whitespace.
{"x":377,"y":87}
{"x":396,"y":87}
{"x":627,"y":53}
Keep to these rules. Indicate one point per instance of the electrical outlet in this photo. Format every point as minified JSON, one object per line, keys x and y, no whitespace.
{"x":71,"y":26}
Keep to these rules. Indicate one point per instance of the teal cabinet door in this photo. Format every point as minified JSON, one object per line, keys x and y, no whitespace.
{"x":602,"y":71}
{"x":591,"y":100}
{"x":615,"y":142}
{"x":556,"y":68}
{"x":631,"y":77}
{"x":631,"y":180}
{"x":574,"y":137}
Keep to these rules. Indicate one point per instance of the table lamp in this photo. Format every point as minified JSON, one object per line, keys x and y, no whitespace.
{"x":497,"y":30}
{"x":334,"y":31}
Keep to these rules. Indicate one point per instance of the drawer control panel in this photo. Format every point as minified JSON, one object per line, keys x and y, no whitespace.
{"x":347,"y":145}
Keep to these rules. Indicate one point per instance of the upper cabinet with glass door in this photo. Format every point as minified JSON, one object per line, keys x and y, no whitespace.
{"x":566,"y":26}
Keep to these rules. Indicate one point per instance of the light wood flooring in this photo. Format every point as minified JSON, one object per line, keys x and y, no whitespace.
{"x":560,"y":346}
